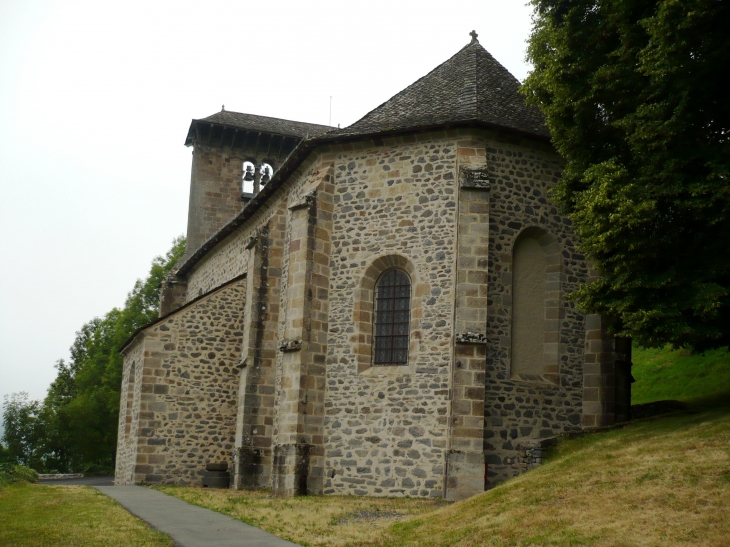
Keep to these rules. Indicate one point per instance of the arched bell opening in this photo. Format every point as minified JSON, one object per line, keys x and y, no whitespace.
{"x":256,"y":175}
{"x":249,"y":173}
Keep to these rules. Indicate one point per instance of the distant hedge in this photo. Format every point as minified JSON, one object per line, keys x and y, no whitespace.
{"x":10,"y":473}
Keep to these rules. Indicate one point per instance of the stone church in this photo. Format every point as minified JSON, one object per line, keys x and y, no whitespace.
{"x":374,"y":310}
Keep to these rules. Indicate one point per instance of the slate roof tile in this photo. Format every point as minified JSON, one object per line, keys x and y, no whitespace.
{"x":471,"y":87}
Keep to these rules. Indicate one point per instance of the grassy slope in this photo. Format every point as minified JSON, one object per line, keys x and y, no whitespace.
{"x":656,"y":482}
{"x":665,"y":374}
{"x":32,"y":515}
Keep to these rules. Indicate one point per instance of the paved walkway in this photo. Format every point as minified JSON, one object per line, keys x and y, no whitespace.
{"x":189,"y":525}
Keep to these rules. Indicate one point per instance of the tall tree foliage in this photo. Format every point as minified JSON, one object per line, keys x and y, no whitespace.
{"x":23,"y":430}
{"x":635,"y":97}
{"x":78,"y":419}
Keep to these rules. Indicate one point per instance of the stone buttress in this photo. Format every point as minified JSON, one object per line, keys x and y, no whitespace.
{"x":299,"y":448}
{"x":254,"y":428}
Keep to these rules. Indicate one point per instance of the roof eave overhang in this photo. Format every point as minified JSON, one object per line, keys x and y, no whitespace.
{"x":467,"y":123}
{"x":192,"y":136}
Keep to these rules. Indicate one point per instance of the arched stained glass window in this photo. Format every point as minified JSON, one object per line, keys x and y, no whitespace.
{"x":391,"y":321}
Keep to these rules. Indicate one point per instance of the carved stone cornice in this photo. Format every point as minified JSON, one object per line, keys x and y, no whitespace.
{"x":474,"y":178}
{"x":305,"y":202}
{"x":290,"y":345}
{"x":470,"y":338}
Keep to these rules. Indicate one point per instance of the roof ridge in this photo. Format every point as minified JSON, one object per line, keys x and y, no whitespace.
{"x":478,"y":92}
{"x":469,"y":93}
{"x":256,"y":122}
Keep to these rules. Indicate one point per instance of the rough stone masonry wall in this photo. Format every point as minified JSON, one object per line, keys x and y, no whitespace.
{"x":258,"y":249}
{"x":230,"y":258}
{"x":227,"y":261}
{"x":521,"y":173}
{"x":188,"y":383}
{"x":301,"y":370}
{"x":215,"y":192}
{"x":386,"y":428}
{"x":129,"y":415}
{"x":216,"y":182}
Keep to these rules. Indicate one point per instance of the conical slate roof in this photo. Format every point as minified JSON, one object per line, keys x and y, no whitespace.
{"x":471,"y":87}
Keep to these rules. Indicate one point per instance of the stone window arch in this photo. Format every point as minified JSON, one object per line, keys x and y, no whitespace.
{"x":364,"y":310}
{"x":267,"y":171}
{"x":536,"y":288}
{"x":392,"y":318}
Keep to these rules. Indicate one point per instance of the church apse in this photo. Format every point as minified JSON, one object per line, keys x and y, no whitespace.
{"x":266,"y":355}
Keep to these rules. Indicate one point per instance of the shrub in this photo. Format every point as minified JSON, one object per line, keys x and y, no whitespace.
{"x":10,"y":473}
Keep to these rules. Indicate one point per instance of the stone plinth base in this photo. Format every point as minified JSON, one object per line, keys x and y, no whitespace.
{"x":249,"y":468}
{"x":464,"y":474}
{"x":291,"y":469}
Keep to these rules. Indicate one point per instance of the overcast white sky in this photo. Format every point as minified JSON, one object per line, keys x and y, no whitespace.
{"x":95,"y":102}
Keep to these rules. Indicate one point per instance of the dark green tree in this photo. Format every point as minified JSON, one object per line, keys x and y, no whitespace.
{"x":75,"y":428}
{"x":6,"y":458}
{"x":54,"y":416}
{"x":23,"y":430}
{"x":89,"y":387}
{"x":635,"y":97}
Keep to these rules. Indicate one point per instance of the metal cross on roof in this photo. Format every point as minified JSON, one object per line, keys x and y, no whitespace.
{"x":473,"y":35}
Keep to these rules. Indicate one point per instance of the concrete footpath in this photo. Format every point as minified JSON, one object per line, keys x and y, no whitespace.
{"x":189,"y":525}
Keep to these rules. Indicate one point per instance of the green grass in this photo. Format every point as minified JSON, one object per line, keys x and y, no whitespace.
{"x":310,"y":521}
{"x":33,"y":515}
{"x":657,"y":482}
{"x":663,"y":374}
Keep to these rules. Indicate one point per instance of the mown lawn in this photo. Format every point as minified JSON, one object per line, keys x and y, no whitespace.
{"x":34,"y":515}
{"x":310,"y":520}
{"x":657,"y":482}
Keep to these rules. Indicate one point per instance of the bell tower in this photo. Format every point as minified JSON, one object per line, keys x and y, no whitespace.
{"x":234,"y":157}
